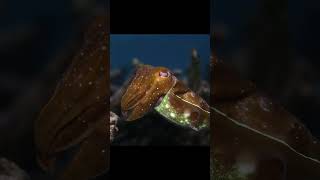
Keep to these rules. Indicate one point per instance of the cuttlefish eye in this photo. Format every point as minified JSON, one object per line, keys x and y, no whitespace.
{"x":164,"y":74}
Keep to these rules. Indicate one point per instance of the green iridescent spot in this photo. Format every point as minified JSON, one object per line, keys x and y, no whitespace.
{"x":167,"y":110}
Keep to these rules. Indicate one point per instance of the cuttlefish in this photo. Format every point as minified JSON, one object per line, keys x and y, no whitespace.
{"x":76,"y":118}
{"x":157,"y":88}
{"x":256,"y":137}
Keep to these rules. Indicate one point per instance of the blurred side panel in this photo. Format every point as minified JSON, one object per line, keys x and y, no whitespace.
{"x":49,"y":129}
{"x":264,"y":90}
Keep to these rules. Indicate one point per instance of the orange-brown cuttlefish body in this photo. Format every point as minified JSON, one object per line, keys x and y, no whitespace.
{"x":157,"y":88}
{"x":75,"y":119}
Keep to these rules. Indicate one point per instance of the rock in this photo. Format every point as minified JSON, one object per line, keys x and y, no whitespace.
{"x":10,"y":171}
{"x":114,"y":118}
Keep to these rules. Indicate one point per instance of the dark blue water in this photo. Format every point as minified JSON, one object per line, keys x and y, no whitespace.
{"x":172,"y":51}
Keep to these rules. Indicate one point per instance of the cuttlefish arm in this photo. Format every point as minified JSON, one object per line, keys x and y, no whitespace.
{"x":146,"y":88}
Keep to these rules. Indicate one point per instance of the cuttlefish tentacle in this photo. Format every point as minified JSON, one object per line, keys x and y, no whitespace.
{"x":146,"y":88}
{"x":156,"y":87}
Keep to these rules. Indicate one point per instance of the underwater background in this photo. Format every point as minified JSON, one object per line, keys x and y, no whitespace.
{"x":169,"y":50}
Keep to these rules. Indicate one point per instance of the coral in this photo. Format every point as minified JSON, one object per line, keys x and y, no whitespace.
{"x":194,"y":72}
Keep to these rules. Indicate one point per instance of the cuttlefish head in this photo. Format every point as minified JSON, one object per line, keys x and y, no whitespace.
{"x":147,"y":87}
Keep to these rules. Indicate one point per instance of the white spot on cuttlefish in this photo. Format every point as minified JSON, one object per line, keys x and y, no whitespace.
{"x":186,"y":113}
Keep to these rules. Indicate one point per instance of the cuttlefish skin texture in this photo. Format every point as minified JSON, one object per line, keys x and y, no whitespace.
{"x":147,"y":86}
{"x":251,"y":130}
{"x":77,"y":113}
